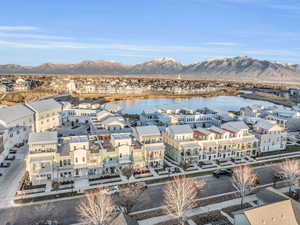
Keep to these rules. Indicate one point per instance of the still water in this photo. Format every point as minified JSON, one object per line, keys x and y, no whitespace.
{"x":228,"y":103}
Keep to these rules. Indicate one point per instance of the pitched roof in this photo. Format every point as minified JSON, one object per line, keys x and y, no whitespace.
{"x":124,"y":219}
{"x":284,"y":212}
{"x":43,"y":137}
{"x":12,"y":113}
{"x":180,"y":129}
{"x":203,"y":131}
{"x":147,"y":131}
{"x":265,"y":124}
{"x":278,"y":209}
{"x":103,"y":115}
{"x":216,"y":130}
{"x":235,"y":126}
{"x":44,"y":105}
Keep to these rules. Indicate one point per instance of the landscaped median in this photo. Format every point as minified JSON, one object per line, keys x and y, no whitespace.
{"x":260,"y":161}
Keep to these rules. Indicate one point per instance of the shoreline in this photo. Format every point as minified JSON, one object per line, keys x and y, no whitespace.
{"x":284,"y":102}
{"x":108,"y":99}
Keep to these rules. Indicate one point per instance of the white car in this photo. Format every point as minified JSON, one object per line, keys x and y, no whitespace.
{"x":111,"y":191}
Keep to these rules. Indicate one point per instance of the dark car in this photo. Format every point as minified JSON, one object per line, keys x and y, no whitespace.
{"x":278,"y":176}
{"x":223,"y":172}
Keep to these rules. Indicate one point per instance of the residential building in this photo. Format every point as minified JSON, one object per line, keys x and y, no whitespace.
{"x":107,"y":121}
{"x":274,"y":208}
{"x":231,"y":140}
{"x":150,"y":139}
{"x":85,"y":157}
{"x":271,"y":136}
{"x":47,"y":114}
{"x":283,"y":116}
{"x":40,"y":162}
{"x":16,"y":123}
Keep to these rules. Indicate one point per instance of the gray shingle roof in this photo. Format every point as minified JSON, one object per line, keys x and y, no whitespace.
{"x":124,"y":219}
{"x":44,"y":105}
{"x":147,"y":131}
{"x":13,"y":113}
{"x":180,"y":129}
{"x":44,"y":137}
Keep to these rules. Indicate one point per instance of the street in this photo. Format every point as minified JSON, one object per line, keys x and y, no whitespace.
{"x":64,"y":211}
{"x":9,"y":182}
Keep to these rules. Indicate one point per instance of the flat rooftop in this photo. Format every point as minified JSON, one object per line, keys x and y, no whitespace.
{"x":43,"y":137}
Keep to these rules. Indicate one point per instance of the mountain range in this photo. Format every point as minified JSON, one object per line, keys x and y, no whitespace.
{"x":241,"y":67}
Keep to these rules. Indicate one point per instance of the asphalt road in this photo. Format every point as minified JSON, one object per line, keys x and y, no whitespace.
{"x":64,"y":211}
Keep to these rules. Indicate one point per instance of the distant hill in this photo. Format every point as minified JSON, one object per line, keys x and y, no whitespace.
{"x":241,"y":68}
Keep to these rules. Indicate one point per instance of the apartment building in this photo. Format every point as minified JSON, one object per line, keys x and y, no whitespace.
{"x":271,"y":136}
{"x":90,"y":157}
{"x":282,"y":117}
{"x":231,"y":140}
{"x":15,"y":124}
{"x":108,"y":121}
{"x":40,"y":162}
{"x":47,"y":114}
{"x":78,"y":115}
{"x":150,"y":139}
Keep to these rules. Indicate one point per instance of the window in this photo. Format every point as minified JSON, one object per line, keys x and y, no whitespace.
{"x":76,"y":160}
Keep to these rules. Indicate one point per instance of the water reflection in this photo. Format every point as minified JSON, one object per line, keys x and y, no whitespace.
{"x":228,"y":103}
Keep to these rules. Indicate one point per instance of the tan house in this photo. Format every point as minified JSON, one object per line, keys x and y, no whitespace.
{"x":274,"y":208}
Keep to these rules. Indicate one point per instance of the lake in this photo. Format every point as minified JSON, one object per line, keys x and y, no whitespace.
{"x":228,"y":103}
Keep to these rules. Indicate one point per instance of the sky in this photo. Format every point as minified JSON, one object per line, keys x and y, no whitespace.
{"x":33,"y":32}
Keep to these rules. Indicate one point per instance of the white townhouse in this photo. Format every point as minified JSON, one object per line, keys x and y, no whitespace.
{"x":84,"y":157}
{"x":78,"y":115}
{"x":47,"y":114}
{"x":40,"y":159}
{"x":152,"y":144}
{"x":16,"y":123}
{"x":107,"y":121}
{"x":232,"y":140}
{"x":272,"y":137}
{"x":282,"y":117}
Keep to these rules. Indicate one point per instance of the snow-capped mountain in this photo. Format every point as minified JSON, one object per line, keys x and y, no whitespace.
{"x":241,"y":67}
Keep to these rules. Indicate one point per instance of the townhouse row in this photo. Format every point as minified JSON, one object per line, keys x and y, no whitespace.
{"x":16,"y":122}
{"x":98,"y":155}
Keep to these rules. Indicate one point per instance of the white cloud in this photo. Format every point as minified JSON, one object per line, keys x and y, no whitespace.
{"x":223,"y":43}
{"x":34,"y":36}
{"x":111,"y":46}
{"x":18,"y":28}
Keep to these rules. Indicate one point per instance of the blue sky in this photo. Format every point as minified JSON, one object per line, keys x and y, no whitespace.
{"x":132,"y":31}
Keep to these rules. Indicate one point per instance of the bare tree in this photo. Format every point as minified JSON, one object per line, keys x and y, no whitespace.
{"x":244,"y":178}
{"x":290,"y":169}
{"x":180,"y":195}
{"x":127,"y":172}
{"x":96,"y":208}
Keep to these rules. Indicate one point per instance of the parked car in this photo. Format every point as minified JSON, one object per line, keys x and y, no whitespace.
{"x":222,"y":172}
{"x":111,"y":191}
{"x":278,"y":176}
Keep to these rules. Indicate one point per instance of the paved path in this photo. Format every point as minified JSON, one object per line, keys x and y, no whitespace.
{"x":65,"y":210}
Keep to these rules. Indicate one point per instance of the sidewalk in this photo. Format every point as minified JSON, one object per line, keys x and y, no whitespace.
{"x":202,"y":210}
{"x":7,"y":200}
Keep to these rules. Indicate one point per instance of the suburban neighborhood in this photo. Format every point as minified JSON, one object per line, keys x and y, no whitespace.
{"x":53,"y":150}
